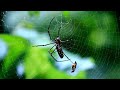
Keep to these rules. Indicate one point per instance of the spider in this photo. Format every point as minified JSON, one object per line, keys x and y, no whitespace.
{"x":58,"y":43}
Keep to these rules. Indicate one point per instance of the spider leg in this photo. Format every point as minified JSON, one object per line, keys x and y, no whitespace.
{"x":51,"y":53}
{"x":42,"y":45}
{"x":68,"y":58}
{"x":51,"y":48}
{"x":49,"y":28}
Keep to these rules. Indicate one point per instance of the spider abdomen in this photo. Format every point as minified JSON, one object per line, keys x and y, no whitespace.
{"x":60,"y":52}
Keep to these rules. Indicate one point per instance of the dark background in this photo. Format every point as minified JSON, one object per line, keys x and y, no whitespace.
{"x":1,"y":24}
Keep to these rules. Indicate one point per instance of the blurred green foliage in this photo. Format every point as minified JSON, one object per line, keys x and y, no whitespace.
{"x":17,"y":47}
{"x":36,"y":61}
{"x":34,"y":13}
{"x":38,"y":65}
{"x":91,"y":34}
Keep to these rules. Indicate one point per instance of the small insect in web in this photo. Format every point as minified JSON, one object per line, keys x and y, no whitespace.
{"x":74,"y":66}
{"x":58,"y":44}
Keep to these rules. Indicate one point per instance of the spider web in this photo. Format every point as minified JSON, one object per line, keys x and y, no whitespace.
{"x":81,"y":42}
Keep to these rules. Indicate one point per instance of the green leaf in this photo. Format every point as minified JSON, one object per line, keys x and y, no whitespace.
{"x":34,"y":13}
{"x":17,"y":47}
{"x":38,"y":65}
{"x":27,"y":24}
{"x":66,"y":13}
